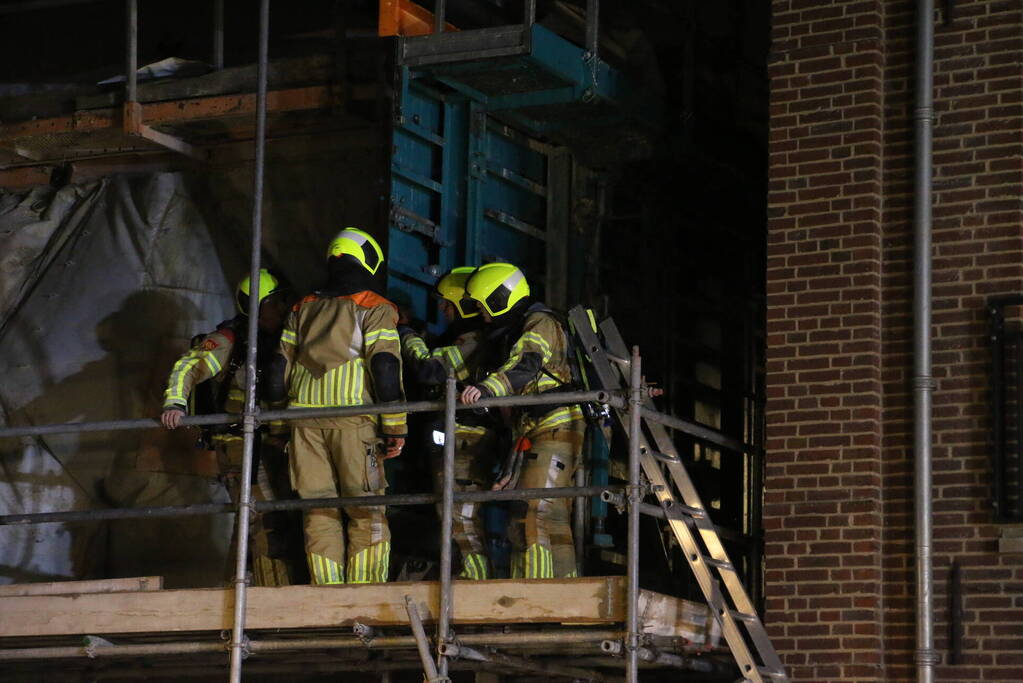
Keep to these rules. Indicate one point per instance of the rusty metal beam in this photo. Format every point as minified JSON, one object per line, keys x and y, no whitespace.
{"x":175,"y":111}
{"x":406,"y":18}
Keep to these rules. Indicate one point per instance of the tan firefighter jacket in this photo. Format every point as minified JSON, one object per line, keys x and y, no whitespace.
{"x":344,"y":351}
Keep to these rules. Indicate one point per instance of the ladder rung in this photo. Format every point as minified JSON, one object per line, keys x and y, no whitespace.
{"x":663,"y":457}
{"x":674,"y":509}
{"x":723,"y":565}
{"x":742,"y":616}
{"x":771,"y":673}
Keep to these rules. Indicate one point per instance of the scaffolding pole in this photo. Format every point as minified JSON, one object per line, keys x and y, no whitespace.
{"x":239,"y":648}
{"x":95,"y":648}
{"x":447,"y":510}
{"x":635,"y":495}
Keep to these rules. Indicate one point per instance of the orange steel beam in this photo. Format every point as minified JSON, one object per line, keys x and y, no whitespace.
{"x":406,"y":18}
{"x":175,"y":111}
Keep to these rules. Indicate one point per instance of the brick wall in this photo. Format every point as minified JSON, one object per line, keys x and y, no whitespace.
{"x":838,"y":499}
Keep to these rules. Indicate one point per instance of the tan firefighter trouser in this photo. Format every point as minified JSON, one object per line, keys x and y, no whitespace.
{"x":342,"y":461}
{"x":268,"y":568}
{"x":474,"y":458}
{"x":540,"y":530}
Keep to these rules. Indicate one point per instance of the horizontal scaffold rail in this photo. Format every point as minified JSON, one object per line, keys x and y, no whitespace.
{"x":292,"y":414}
{"x":398,"y":499}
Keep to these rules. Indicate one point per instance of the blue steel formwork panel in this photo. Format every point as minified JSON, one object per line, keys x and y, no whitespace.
{"x":465,"y":191}
{"x":426,"y":216}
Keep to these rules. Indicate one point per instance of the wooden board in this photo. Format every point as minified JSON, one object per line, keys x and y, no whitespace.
{"x":589,"y":600}
{"x":133,"y":584}
{"x":596,"y":600}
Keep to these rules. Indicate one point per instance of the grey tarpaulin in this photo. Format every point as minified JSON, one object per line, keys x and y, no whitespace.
{"x":102,"y":287}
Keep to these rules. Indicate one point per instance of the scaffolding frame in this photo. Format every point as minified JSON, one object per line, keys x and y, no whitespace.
{"x":628,"y":642}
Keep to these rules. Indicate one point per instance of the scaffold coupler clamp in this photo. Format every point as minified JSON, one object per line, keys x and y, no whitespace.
{"x":616,"y":498}
{"x":246,"y":644}
{"x":928,"y":657}
{"x":364,"y":633}
{"x":94,"y":643}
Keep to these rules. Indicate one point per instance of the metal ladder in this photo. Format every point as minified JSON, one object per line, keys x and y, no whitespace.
{"x":753,"y":652}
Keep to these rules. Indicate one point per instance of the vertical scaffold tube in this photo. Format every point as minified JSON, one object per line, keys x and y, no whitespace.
{"x":218,"y":35}
{"x":245,"y":509}
{"x":447,"y":510}
{"x":131,"y":62}
{"x":635,"y":498}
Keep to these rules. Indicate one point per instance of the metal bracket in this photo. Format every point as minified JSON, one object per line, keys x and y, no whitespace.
{"x":93,"y":643}
{"x":134,"y":127}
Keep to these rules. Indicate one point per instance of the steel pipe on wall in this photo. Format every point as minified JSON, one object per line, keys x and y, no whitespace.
{"x":923,"y":382}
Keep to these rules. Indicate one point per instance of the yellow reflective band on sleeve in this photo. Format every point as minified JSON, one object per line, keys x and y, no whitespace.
{"x":324,"y":571}
{"x":289,"y":337}
{"x":536,"y":338}
{"x":495,"y":385}
{"x":417,"y":347}
{"x":455,"y":360}
{"x":211,"y":362}
{"x":381,"y":335}
{"x":392,"y":419}
{"x":176,"y":384}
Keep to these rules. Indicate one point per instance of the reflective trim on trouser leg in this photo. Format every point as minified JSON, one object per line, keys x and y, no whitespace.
{"x":269,"y":571}
{"x":324,"y":570}
{"x":518,"y":565}
{"x":539,"y":562}
{"x":474,"y":566}
{"x":370,"y":565}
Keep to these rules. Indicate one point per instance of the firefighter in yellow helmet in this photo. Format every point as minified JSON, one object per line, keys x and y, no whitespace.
{"x":341,"y":348}
{"x":549,"y":438}
{"x":211,"y":377}
{"x":475,"y":437}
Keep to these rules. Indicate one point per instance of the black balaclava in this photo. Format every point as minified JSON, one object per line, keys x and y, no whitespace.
{"x":345,"y":275}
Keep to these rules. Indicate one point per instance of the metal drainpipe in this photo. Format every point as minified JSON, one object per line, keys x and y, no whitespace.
{"x":239,"y":644}
{"x":923,"y":383}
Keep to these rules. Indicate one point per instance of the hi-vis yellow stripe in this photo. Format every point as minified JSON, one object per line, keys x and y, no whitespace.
{"x":417,"y":347}
{"x":324,"y":570}
{"x":470,"y":429}
{"x":534,"y":338}
{"x":495,"y":385}
{"x":212,"y":363}
{"x":559,"y":417}
{"x":345,"y":385}
{"x":474,"y":566}
{"x":392,"y":419}
{"x":455,"y":360}
{"x":381,"y":335}
{"x":370,"y":565}
{"x":176,"y":385}
{"x":539,"y":562}
{"x":289,"y":337}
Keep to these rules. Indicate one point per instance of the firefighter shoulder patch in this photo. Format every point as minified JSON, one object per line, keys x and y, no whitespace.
{"x":209,"y":345}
